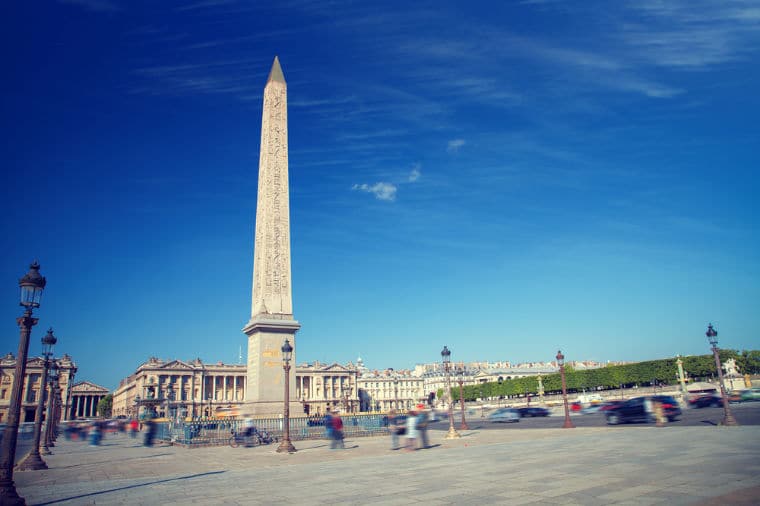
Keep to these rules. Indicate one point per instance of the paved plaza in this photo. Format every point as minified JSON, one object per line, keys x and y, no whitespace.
{"x":584,"y":466}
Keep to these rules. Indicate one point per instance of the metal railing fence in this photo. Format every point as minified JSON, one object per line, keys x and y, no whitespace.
{"x":212,"y":432}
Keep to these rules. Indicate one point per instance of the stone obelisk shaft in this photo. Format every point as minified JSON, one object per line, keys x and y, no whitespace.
{"x":271,"y":304}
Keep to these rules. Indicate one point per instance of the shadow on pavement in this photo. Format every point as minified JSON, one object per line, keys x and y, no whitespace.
{"x":132,"y":486}
{"x":110,"y":461}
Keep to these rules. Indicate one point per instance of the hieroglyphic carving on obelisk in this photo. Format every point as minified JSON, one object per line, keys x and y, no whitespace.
{"x":271,"y":304}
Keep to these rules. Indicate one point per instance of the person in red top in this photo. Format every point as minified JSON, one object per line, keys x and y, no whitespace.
{"x":337,"y":431}
{"x":133,"y":426}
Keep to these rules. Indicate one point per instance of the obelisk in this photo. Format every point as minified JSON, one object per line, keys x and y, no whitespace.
{"x":271,"y":304}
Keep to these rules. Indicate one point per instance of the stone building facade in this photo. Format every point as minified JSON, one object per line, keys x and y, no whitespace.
{"x":200,"y":390}
{"x":389,"y":389}
{"x":85,"y":397}
{"x":31,"y":387}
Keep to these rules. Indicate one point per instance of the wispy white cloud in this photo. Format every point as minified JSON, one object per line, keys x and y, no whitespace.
{"x":94,"y":5}
{"x":381,"y":191}
{"x":695,"y":33}
{"x":454,"y":145}
{"x":415,"y":174}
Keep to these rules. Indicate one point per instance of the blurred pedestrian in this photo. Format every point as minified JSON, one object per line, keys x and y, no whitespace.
{"x":150,"y":433}
{"x":422,"y":423}
{"x":134,"y":425}
{"x":337,"y":432}
{"x":328,"y":424}
{"x":411,"y":431}
{"x":395,"y":427}
{"x":96,"y":434}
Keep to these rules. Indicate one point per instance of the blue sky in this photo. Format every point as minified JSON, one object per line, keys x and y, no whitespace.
{"x":505,"y":178}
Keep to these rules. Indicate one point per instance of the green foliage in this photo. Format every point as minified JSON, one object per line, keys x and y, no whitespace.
{"x":748,"y":362}
{"x":664,"y":371}
{"x":105,"y":406}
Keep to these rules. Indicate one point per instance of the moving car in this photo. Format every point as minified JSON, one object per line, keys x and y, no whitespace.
{"x":635,"y":410}
{"x":751,"y":394}
{"x":505,"y":415}
{"x":706,"y":400}
{"x":532,"y":411}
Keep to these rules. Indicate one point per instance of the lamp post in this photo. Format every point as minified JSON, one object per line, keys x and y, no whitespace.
{"x":47,"y":440}
{"x":169,"y":394}
{"x":285,"y":444}
{"x":395,"y":394}
{"x":681,"y":378}
{"x":561,"y":362}
{"x":446,"y":356}
{"x":57,"y":402}
{"x":137,"y":406}
{"x":460,"y":377}
{"x":31,"y":285}
{"x":33,"y":461}
{"x":540,"y":389}
{"x":728,"y":416}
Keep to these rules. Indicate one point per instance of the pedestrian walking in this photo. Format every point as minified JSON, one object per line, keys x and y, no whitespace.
{"x":133,"y":426}
{"x":395,"y":427}
{"x":328,"y":424}
{"x":411,"y":431}
{"x":150,"y":433}
{"x":422,"y":424}
{"x":337,"y":432}
{"x":95,"y":434}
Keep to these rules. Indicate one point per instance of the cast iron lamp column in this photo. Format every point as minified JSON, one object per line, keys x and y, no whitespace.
{"x":31,"y":285}
{"x":463,"y":425}
{"x":52,"y":401}
{"x":446,"y":356}
{"x":285,"y":444}
{"x":33,"y":461}
{"x":728,"y":416}
{"x":561,"y":362}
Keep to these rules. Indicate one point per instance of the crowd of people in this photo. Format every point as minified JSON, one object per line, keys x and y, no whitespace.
{"x":93,"y":431}
{"x":413,"y":427}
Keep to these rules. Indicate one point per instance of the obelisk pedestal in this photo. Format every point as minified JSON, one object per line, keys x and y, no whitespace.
{"x":271,"y":305}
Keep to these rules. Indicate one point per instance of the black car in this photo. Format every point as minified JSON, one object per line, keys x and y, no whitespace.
{"x":637,"y":410}
{"x":531,"y":411}
{"x":706,"y":400}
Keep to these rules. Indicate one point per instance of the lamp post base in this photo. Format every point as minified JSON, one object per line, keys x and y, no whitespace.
{"x":9,"y":496}
{"x":568,"y":424}
{"x":729,"y":421}
{"x":452,"y":434}
{"x":45,"y":451}
{"x":464,"y":426}
{"x":32,"y":462}
{"x":286,"y":446}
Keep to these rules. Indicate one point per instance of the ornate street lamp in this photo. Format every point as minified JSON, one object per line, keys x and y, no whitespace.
{"x":137,"y":406}
{"x":52,"y":401}
{"x":446,"y":357}
{"x":31,"y":286}
{"x":33,"y":461}
{"x":712,"y":337}
{"x":285,"y":444}
{"x":561,"y":362}
{"x":460,"y":377}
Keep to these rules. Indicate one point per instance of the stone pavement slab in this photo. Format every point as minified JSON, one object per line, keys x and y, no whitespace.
{"x":620,"y":465}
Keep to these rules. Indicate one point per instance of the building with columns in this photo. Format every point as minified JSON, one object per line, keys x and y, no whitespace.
{"x":389,"y":389}
{"x":85,"y":397}
{"x":201,"y":389}
{"x":31,"y":386}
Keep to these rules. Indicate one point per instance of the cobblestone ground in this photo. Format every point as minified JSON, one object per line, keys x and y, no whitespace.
{"x":584,"y":466}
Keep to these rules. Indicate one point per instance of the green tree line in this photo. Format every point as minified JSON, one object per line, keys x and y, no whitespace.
{"x":664,"y":372}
